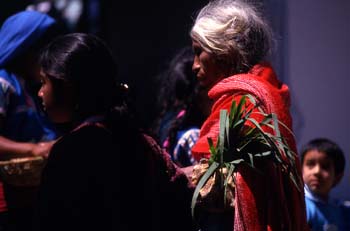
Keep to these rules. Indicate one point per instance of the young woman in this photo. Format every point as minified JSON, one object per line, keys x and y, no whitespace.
{"x":104,"y":174}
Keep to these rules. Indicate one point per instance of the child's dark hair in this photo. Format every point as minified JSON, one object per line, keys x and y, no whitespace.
{"x":178,"y":82}
{"x":330,"y":148}
{"x":178,"y":90}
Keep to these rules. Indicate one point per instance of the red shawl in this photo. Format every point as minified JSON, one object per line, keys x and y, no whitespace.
{"x":263,"y":202}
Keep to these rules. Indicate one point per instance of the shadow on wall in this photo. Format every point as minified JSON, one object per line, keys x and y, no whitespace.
{"x":277,"y":14}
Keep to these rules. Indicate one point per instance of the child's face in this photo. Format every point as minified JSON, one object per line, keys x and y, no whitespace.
{"x":318,"y":172}
{"x":46,"y":92}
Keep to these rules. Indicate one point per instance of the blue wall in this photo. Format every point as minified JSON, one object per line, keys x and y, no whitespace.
{"x":318,"y":70}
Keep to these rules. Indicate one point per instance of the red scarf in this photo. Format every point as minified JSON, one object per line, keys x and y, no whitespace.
{"x":263,"y":202}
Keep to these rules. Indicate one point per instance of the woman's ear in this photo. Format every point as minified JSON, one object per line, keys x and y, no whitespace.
{"x":337,"y":178}
{"x":230,"y":64}
{"x":225,"y":66}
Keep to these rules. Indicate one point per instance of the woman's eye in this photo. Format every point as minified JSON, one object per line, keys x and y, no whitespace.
{"x":197,"y":52}
{"x":326,"y":166}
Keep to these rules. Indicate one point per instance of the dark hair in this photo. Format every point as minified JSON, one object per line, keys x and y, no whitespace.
{"x":178,"y":82}
{"x":330,"y":148}
{"x":178,"y":90}
{"x":85,"y":62}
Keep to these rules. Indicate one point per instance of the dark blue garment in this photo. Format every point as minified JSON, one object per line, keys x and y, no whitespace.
{"x":165,"y":125}
{"x":346,"y":211}
{"x":24,"y":119}
{"x":185,"y":140}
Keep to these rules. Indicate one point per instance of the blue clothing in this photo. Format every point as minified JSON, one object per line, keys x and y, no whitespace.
{"x":346,"y":212}
{"x":165,"y":125}
{"x":24,"y":121}
{"x":22,"y":118}
{"x":324,"y":215}
{"x":179,"y":149}
{"x":185,"y":140}
{"x":20,"y":31}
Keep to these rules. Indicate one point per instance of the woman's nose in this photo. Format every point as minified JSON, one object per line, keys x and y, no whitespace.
{"x":195,"y":65}
{"x":40,"y":93}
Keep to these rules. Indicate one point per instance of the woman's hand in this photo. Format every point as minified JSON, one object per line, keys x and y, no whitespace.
{"x":42,"y":149}
{"x":188,"y":171}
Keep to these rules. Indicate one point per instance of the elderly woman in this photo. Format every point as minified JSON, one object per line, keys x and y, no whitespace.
{"x":230,"y":41}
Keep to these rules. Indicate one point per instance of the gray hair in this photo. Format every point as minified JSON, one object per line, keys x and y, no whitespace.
{"x":234,"y":32}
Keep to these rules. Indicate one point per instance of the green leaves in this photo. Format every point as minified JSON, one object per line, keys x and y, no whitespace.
{"x":243,"y":139}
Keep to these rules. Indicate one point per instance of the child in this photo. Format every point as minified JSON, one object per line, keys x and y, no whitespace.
{"x":323,"y":166}
{"x":183,"y":106}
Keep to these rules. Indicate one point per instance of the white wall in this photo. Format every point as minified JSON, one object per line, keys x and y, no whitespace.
{"x":318,"y":70}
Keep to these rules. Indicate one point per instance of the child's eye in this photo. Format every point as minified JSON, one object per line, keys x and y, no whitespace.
{"x":310,"y":163}
{"x":326,"y":166}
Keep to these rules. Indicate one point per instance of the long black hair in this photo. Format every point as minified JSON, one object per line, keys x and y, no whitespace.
{"x":86,"y":63}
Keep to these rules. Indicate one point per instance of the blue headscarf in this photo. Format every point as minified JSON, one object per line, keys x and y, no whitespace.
{"x":20,"y":31}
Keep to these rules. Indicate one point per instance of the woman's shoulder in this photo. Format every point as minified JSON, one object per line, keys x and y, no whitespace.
{"x":85,"y":136}
{"x":87,"y":145}
{"x":90,"y":131}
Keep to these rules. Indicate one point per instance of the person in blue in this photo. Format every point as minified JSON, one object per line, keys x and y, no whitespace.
{"x":183,"y":106}
{"x":24,"y":128}
{"x":323,"y":164}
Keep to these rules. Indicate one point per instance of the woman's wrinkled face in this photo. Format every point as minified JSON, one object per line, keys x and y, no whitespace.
{"x":318,"y":172}
{"x":57,"y":99}
{"x":207,"y":68}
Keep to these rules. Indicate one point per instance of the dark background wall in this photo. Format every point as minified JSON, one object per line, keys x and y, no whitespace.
{"x":144,"y":37}
{"x":8,"y":8}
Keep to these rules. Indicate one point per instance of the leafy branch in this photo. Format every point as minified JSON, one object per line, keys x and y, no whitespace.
{"x":237,"y":143}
